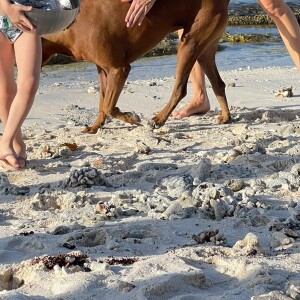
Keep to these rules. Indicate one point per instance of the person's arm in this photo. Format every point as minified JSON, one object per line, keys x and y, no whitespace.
{"x":15,"y":13}
{"x":137,"y":11}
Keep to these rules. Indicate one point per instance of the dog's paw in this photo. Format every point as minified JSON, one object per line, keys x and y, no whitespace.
{"x":90,"y":130}
{"x":222,"y":119}
{"x":151,"y":125}
{"x":133,"y":118}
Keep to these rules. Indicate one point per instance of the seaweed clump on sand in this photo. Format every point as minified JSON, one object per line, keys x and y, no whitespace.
{"x":247,"y":38}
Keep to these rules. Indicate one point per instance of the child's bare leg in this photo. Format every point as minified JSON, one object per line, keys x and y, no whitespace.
{"x":200,"y":102}
{"x":7,"y":93}
{"x":28,"y":59}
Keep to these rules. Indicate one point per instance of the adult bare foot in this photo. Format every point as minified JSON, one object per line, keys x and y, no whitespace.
{"x":193,"y":107}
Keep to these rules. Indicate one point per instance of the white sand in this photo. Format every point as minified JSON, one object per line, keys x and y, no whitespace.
{"x":150,"y":218}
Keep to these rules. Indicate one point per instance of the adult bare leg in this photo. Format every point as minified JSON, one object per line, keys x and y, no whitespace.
{"x":199,"y":104}
{"x":287,"y":25}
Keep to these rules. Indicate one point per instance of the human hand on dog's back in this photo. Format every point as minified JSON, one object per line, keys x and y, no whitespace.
{"x":15,"y":13}
{"x":137,"y":11}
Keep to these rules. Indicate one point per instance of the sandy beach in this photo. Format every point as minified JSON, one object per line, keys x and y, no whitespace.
{"x":193,"y":210}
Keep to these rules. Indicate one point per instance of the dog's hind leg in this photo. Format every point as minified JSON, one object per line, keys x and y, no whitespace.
{"x":111,"y":86}
{"x":116,"y":78}
{"x":199,"y":38}
{"x":208,"y":64}
{"x":102,"y":77}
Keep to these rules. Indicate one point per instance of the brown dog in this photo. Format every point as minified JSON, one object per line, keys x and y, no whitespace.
{"x":100,"y":36}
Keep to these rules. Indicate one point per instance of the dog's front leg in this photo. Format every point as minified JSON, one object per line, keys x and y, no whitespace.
{"x":102,"y":77}
{"x":116,"y":78}
{"x":179,"y":93}
{"x":186,"y":57}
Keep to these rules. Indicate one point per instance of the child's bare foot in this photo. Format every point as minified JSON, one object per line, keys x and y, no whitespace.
{"x":9,"y":160}
{"x":191,"y":108}
{"x":12,"y":159}
{"x":20,"y":149}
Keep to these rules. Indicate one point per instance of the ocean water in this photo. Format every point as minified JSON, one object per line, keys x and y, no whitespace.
{"x":234,"y":56}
